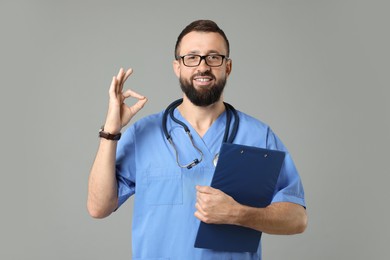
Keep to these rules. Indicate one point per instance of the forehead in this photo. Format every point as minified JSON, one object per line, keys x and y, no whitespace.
{"x":202,"y":43}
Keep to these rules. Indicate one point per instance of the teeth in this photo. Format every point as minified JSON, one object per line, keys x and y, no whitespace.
{"x":203,"y":79}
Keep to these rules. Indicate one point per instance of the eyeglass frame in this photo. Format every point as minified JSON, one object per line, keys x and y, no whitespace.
{"x":203,"y":57}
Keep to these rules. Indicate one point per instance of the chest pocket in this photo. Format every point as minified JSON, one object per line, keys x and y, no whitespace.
{"x":164,"y":187}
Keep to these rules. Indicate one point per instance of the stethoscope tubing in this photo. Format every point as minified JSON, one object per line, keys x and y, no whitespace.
{"x":226,"y":138}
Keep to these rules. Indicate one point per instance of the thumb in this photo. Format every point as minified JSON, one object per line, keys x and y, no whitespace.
{"x":139,"y":105}
{"x":205,"y":189}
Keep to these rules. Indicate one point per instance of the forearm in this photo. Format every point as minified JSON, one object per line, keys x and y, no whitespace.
{"x":102,"y":184}
{"x":281,"y":218}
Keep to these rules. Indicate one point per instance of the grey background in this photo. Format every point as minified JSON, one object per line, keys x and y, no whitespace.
{"x":316,"y":71}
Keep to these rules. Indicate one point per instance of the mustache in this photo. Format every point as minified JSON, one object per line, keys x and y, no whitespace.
{"x":203,"y":74}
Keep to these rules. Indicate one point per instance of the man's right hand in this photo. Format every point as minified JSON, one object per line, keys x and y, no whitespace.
{"x":119,"y":114}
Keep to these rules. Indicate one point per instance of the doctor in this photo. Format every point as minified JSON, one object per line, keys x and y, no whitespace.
{"x":170,"y":198}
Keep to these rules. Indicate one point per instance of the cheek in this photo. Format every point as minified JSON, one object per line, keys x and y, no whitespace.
{"x":221,"y":75}
{"x":185,"y":74}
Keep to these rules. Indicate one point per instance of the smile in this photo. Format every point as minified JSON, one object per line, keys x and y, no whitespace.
{"x":203,"y":79}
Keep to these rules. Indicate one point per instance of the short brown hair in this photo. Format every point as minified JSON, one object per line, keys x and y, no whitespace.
{"x":201,"y":26}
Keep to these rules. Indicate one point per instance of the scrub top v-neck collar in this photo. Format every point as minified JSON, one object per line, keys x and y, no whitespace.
{"x":211,"y":141}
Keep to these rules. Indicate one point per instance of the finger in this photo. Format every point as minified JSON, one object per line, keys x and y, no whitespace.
{"x":119,"y":77}
{"x":199,"y":216}
{"x":200,"y":209}
{"x":124,"y":77}
{"x":198,"y":206}
{"x":112,"y":90}
{"x":127,"y":74}
{"x":202,"y":215}
{"x":139,"y":105}
{"x":203,"y":198}
{"x":131,"y":93}
{"x":199,"y":197}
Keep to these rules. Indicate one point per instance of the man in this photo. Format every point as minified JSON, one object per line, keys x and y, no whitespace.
{"x":171,"y":198}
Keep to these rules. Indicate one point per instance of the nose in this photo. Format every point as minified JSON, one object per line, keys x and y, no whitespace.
{"x":203,"y":65}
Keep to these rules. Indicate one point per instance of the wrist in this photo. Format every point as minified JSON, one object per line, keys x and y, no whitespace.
{"x":111,"y":128}
{"x":239,"y":214}
{"x":114,"y":136}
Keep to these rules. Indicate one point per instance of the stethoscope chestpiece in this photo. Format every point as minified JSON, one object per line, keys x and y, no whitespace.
{"x":194,"y":163}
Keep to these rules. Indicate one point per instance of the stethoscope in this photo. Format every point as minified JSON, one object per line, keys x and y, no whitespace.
{"x":230,"y":110}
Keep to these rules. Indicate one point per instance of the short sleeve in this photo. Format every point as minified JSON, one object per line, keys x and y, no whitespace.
{"x":289,"y":186}
{"x":125,"y":166}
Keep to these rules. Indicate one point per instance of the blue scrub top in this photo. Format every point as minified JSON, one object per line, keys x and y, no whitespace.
{"x":164,"y":225}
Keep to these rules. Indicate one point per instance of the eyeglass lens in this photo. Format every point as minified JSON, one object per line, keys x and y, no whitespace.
{"x":195,"y":60}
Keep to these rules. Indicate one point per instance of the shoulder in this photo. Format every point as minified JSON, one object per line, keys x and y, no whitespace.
{"x":252,"y":122}
{"x":152,"y":120}
{"x":252,"y":131}
{"x":147,"y":124}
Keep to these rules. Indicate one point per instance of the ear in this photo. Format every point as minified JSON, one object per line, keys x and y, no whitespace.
{"x":176,"y":68}
{"x":228,"y":66}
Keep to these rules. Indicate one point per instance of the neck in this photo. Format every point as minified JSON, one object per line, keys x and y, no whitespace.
{"x":201,"y":118}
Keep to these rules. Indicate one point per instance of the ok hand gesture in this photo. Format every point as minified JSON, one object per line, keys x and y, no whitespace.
{"x":119,"y":113}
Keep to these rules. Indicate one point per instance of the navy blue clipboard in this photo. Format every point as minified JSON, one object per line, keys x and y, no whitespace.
{"x":248,"y":174}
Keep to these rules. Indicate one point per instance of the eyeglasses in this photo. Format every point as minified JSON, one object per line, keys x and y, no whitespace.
{"x":212,"y":60}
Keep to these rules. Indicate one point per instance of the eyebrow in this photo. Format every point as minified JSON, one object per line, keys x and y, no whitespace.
{"x":208,"y":53}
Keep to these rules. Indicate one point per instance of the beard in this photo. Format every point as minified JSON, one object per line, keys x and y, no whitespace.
{"x":205,"y":96}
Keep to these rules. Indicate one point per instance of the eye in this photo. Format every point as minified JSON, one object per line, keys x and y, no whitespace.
{"x":214,"y":57}
{"x":191,"y":57}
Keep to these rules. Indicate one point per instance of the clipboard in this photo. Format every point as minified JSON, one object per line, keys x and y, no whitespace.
{"x":248,"y":174}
